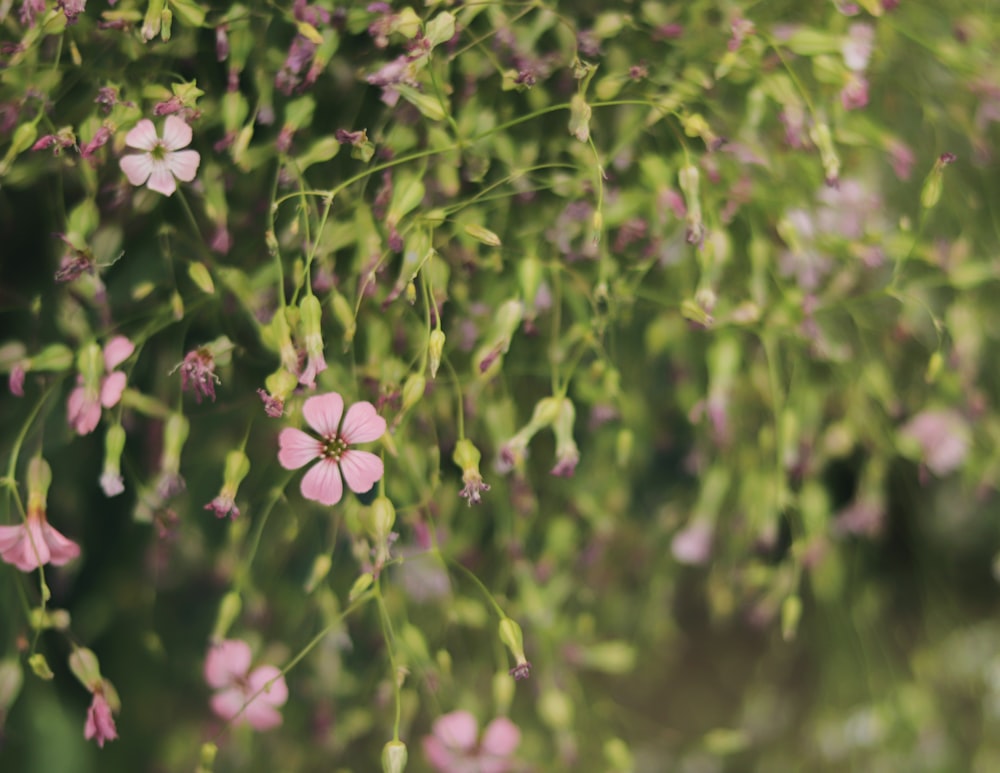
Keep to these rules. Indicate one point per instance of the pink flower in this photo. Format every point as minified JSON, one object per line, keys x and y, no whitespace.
{"x":242,"y":695}
{"x":163,"y":160}
{"x":83,"y":408}
{"x":854,"y":95}
{"x":452,"y":747}
{"x":943,"y":437}
{"x":361,"y":469}
{"x":35,"y":543}
{"x":100,"y":724}
{"x":693,"y":544}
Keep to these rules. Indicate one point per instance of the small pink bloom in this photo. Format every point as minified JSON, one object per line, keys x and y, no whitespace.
{"x":83,"y":408}
{"x":858,"y":46}
{"x":100,"y":724}
{"x":452,"y":747}
{"x":163,"y":159}
{"x":35,"y":543}
{"x":244,"y":696}
{"x":361,"y":469}
{"x":693,"y":544}
{"x":16,"y":379}
{"x":854,"y":95}
{"x":943,"y":437}
{"x":198,"y":374}
{"x":222,"y":506}
{"x":112,"y":485}
{"x":274,"y":407}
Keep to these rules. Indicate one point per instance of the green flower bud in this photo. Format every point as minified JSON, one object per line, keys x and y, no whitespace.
{"x":435,"y":348}
{"x":229,"y":610}
{"x":344,"y":314}
{"x":413,"y":390}
{"x":382,"y":517}
{"x":513,"y":639}
{"x":85,"y":667}
{"x":53,"y":358}
{"x":90,"y":364}
{"x":39,"y":480}
{"x":394,"y":757}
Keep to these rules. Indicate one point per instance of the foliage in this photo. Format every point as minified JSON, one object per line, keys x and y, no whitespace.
{"x":678,"y":321}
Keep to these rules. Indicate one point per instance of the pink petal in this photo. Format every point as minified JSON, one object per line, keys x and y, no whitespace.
{"x":457,"y":730}
{"x":142,"y":137}
{"x":274,"y":695}
{"x":112,"y":387}
{"x":226,"y":663}
{"x":184,"y":164}
{"x":137,"y":167}
{"x":362,"y":424}
{"x":27,"y":550}
{"x":438,"y":755}
{"x":260,"y":716}
{"x":82,"y":411}
{"x":361,"y":470}
{"x":61,"y":550}
{"x":322,"y":483}
{"x":176,"y":133}
{"x":296,"y":448}
{"x":501,"y":737}
{"x":161,"y":180}
{"x":116,"y":351}
{"x":227,"y":703}
{"x":323,"y":413}
{"x":100,"y":725}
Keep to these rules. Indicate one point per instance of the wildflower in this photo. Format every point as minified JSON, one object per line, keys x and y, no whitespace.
{"x":30,"y":9}
{"x":237,"y":467}
{"x":111,"y":478}
{"x":34,"y":542}
{"x":15,"y":381}
{"x":72,"y":9}
{"x":854,"y":95}
{"x":312,"y":334}
{"x":83,"y":408}
{"x":361,"y":469}
{"x":198,"y":373}
{"x":244,"y":696}
{"x":163,"y":159}
{"x":100,"y":723}
{"x":942,"y":437}
{"x":693,"y":544}
{"x":858,"y":46}
{"x":467,"y":457}
{"x":567,"y":452}
{"x":452,"y":746}
{"x":170,"y":482}
{"x":513,"y":639}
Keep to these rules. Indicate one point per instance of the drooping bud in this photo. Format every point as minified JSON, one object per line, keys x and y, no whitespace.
{"x":488,"y":357}
{"x":344,"y":314}
{"x":85,"y":667}
{"x":39,"y":480}
{"x":229,"y":610}
{"x":930,"y":194}
{"x":175,"y":434}
{"x":413,"y":390}
{"x":821,"y":136}
{"x":513,"y":639}
{"x":114,"y":444}
{"x":567,"y":453}
{"x":280,"y":385}
{"x":394,"y":757}
{"x":237,"y":468}
{"x":435,"y":348}
{"x":689,"y":180}
{"x":311,"y":314}
{"x":467,"y":457}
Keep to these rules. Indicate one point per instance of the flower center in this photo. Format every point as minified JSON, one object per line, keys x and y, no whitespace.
{"x":334,"y":447}
{"x":158,"y":152}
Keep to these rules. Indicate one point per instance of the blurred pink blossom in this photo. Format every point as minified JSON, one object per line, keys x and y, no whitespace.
{"x":83,"y":408}
{"x":100,"y":723}
{"x":252,"y":697}
{"x":35,"y":543}
{"x":452,"y":747}
{"x":361,"y":469}
{"x":693,"y":544}
{"x":943,"y":437}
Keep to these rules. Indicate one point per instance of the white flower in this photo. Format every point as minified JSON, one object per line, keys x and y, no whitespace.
{"x":163,"y":160}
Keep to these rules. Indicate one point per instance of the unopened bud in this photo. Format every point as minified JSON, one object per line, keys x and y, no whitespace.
{"x":111,"y":476}
{"x":529,"y":275}
{"x":344,"y":314}
{"x":39,"y":480}
{"x":820,"y":135}
{"x":394,"y":757}
{"x":90,"y":364}
{"x":320,"y":569}
{"x":229,"y":610}
{"x":85,"y":667}
{"x":513,"y":639}
{"x":55,"y":358}
{"x":383,"y":517}
{"x":435,"y":348}
{"x":413,"y":390}
{"x":206,"y":759}
{"x":483,"y":235}
{"x":175,"y":434}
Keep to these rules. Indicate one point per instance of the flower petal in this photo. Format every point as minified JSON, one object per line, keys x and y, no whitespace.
{"x":362,"y":424}
{"x":142,"y":136}
{"x":61,"y":549}
{"x":184,"y":164}
{"x":226,"y":663}
{"x":273,"y":695}
{"x":323,"y":413}
{"x":296,"y":448}
{"x":226,"y":704}
{"x":116,"y":351}
{"x":457,"y":730}
{"x":322,"y":483}
{"x":161,"y":180}
{"x":361,"y":469}
{"x":176,"y":133}
{"x":137,"y":167}
{"x":501,"y":737}
{"x":111,"y":389}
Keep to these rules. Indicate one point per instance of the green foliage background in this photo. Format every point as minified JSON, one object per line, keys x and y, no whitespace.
{"x":745,"y":358}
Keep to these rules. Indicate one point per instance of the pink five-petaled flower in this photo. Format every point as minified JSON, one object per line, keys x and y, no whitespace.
{"x":83,"y":408}
{"x":242,"y":695}
{"x":34,"y":543}
{"x":163,"y":159}
{"x":100,"y":724}
{"x":361,"y":469}
{"x":452,"y":747}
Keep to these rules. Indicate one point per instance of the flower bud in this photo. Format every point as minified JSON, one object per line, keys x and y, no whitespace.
{"x":54,"y":358}
{"x":39,"y":480}
{"x":175,"y":434}
{"x":229,"y":610}
{"x":114,"y":445}
{"x":930,"y":194}
{"x":413,"y":390}
{"x":821,"y":136}
{"x":85,"y":667}
{"x":567,"y":453}
{"x":689,"y":180}
{"x":467,"y":457}
{"x":344,"y":314}
{"x":513,"y":639}
{"x":394,"y":757}
{"x":310,"y":320}
{"x":435,"y":348}
{"x":90,"y":364}
{"x":206,"y":759}
{"x":382,"y":518}
{"x":320,"y":569}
